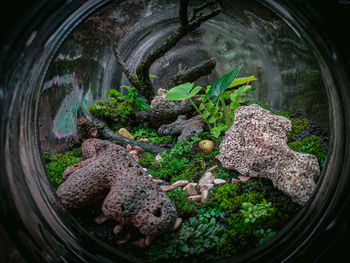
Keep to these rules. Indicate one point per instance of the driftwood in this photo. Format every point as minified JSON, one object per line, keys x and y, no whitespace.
{"x":97,"y":129}
{"x":141,"y":81}
{"x":157,"y":117}
{"x":193,"y":73}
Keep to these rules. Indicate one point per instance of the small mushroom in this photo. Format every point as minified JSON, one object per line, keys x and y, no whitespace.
{"x":136,"y":158}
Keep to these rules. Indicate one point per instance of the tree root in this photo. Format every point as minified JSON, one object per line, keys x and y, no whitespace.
{"x":85,"y":126}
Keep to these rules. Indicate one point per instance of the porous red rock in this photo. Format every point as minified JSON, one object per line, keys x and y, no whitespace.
{"x":130,"y":195}
{"x":256,"y":145}
{"x":161,"y":102}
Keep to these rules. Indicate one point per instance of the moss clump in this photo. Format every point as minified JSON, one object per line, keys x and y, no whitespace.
{"x":255,"y":211}
{"x":56,"y":164}
{"x":147,"y":159}
{"x":184,"y":206}
{"x":311,"y":145}
{"x":195,"y":236}
{"x":298,"y":125}
{"x":113,"y":111}
{"x":152,"y":135}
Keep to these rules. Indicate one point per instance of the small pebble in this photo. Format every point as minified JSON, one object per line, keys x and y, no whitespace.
{"x":244,"y":178}
{"x":128,"y":148}
{"x":212,"y":168}
{"x":206,"y":146}
{"x":138,"y":149}
{"x":143,"y":140}
{"x":195,"y":198}
{"x":133,"y":152}
{"x":158,"y":158}
{"x":125,"y":133}
{"x":219,"y":182}
{"x":235,"y":181}
{"x":177,"y":223}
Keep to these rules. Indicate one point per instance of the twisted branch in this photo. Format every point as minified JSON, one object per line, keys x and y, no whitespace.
{"x":143,"y":82}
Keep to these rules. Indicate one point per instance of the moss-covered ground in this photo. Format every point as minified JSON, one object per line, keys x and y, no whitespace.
{"x":235,"y":219}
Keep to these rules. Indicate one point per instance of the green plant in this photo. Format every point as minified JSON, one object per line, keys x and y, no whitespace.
{"x":311,"y":145}
{"x":184,"y":206}
{"x":192,"y":238}
{"x":151,"y":134}
{"x":138,"y":103}
{"x":264,"y":235}
{"x":56,"y":164}
{"x":298,"y":125}
{"x":147,"y":159}
{"x":251,"y":212}
{"x":217,"y":116}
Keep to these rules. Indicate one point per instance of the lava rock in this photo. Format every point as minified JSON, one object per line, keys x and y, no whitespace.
{"x":256,"y":146}
{"x":130,"y":196}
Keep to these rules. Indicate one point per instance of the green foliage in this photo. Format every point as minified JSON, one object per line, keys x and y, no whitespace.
{"x":217,"y":116}
{"x":264,"y":235}
{"x":251,"y":212}
{"x":151,"y":134}
{"x":138,"y":103}
{"x":250,"y":207}
{"x":184,"y":206}
{"x":117,"y":108}
{"x":183,"y":91}
{"x":311,"y":145}
{"x":147,"y":159}
{"x":221,"y":85}
{"x":113,"y":111}
{"x":56,"y":164}
{"x":193,"y":238}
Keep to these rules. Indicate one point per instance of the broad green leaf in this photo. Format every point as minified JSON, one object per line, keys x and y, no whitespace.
{"x":221,"y":85}
{"x":183,"y":91}
{"x":206,"y":114}
{"x":212,"y":119}
{"x":240,"y":81}
{"x":114,"y":92}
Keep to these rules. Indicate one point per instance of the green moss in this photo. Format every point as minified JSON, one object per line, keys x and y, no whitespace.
{"x":56,"y":164}
{"x":184,"y":206}
{"x":152,"y":135}
{"x":147,"y":159}
{"x":311,"y":145}
{"x":298,"y":125}
{"x":113,"y":111}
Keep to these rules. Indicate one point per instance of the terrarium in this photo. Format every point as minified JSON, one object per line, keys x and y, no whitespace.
{"x":184,"y":130}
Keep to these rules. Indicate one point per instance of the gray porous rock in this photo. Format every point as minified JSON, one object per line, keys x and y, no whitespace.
{"x":130,"y":195}
{"x":183,"y":127}
{"x":161,"y":102}
{"x":256,"y":146}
